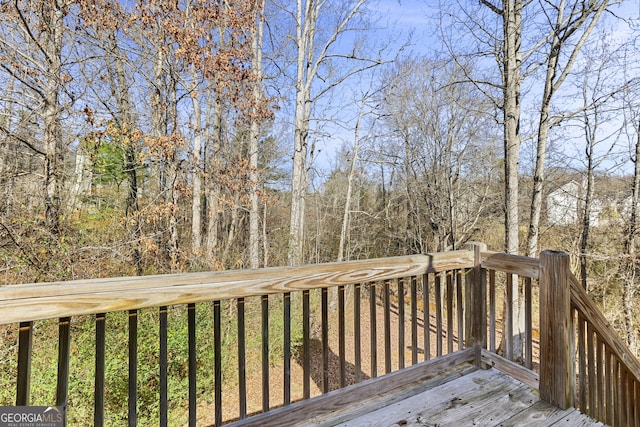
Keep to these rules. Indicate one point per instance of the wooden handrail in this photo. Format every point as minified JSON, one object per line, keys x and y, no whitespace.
{"x":31,"y":302}
{"x":513,"y":264}
{"x":582,"y":302}
{"x":435,"y":284}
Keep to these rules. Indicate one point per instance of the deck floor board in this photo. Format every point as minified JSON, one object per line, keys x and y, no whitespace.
{"x":479,"y":398}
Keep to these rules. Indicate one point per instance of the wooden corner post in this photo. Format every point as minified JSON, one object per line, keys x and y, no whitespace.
{"x":557,"y":367}
{"x":476,"y":304}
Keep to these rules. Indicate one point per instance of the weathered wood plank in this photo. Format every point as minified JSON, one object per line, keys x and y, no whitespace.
{"x":337,"y":400}
{"x":541,"y":413}
{"x":442,"y":405}
{"x":487,"y":408}
{"x":522,"y":374}
{"x":359,"y":409}
{"x":576,"y":419}
{"x":80,"y":297}
{"x":557,"y":368}
{"x":585,"y":305}
{"x":511,"y":264}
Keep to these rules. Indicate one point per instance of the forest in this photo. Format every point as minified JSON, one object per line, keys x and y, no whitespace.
{"x":188,"y":135}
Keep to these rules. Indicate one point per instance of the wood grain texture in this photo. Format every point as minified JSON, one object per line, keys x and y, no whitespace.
{"x":514,"y":264}
{"x":522,"y":374}
{"x":582,"y":302}
{"x":557,"y":367}
{"x":481,"y":397}
{"x":80,"y":297}
{"x":321,"y":406}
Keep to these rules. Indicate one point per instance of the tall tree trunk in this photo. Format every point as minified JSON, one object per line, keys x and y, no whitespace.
{"x":7,"y":174}
{"x":125,"y":121}
{"x":305,"y":28}
{"x":254,"y":133}
{"x":512,"y":76}
{"x":347,"y":202}
{"x":511,"y":63}
{"x":173,"y":161}
{"x":308,"y":62}
{"x":590,"y":130}
{"x":53,"y":15}
{"x":586,"y":215}
{"x":564,"y":27}
{"x":213,"y":187}
{"x":196,"y":168}
{"x":629,"y":288}
{"x":512,"y":80}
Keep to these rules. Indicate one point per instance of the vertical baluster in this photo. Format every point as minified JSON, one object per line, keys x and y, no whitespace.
{"x":438,"y":300}
{"x":287,"y":348}
{"x":635,"y":398}
{"x":414,"y":321}
{"x":357,"y":344}
{"x":508,"y":318}
{"x":164,"y":398}
{"x":193,"y":363}
{"x":373,"y":332}
{"x":599,"y":378}
{"x":387,"y":328}
{"x":25,"y":346}
{"x":217,"y":362}
{"x":133,"y":368}
{"x":64,"y":351}
{"x":492,"y":311}
{"x":528,"y":306}
{"x":591,"y":372}
{"x":325,"y":339}
{"x":617,"y":398}
{"x":242,"y":361}
{"x":306,"y":344}
{"x":625,"y":397}
{"x":460,"y":309}
{"x":632,"y":400}
{"x":98,"y":400}
{"x":341,"y":337}
{"x":449,"y":311}
{"x":265,"y":352}
{"x":608,"y":387}
{"x":584,"y":394}
{"x":426,"y":314}
{"x":400,"y":288}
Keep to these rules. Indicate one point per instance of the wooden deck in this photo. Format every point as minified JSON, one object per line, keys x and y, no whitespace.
{"x":461,"y":396}
{"x":468,"y":397}
{"x":451,"y":311}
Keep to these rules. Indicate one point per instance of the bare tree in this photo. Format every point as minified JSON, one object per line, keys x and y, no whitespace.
{"x":442,"y":135}
{"x":630,"y":264}
{"x":318,"y":26}
{"x":257,"y":116}
{"x":570,"y":26}
{"x":31,"y":48}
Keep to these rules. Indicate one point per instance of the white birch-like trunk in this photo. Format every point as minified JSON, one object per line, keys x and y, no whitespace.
{"x":305,"y":28}
{"x":254,"y":133}
{"x":347,"y":200}
{"x":563,"y":28}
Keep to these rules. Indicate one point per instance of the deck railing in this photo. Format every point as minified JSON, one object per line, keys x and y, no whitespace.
{"x":342,"y":323}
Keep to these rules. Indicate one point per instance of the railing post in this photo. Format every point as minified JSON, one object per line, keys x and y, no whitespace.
{"x":557,"y":367}
{"x":476,"y":304}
